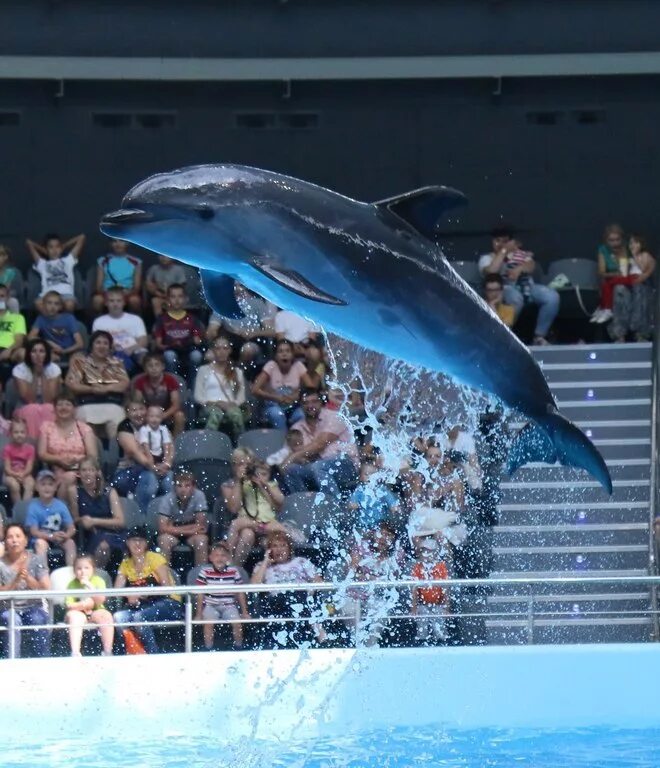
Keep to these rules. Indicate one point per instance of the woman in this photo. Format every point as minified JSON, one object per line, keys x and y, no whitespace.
{"x":22,"y":570}
{"x":65,"y":442}
{"x":253,"y":499}
{"x":280,"y":567}
{"x":96,"y":509}
{"x":220,"y":390}
{"x":143,"y":568}
{"x":614,"y":261}
{"x":99,"y":382}
{"x":38,"y":381}
{"x":632,"y":305}
{"x":279,"y":384}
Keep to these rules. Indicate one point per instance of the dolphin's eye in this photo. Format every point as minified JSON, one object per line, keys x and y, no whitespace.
{"x":205,"y":212}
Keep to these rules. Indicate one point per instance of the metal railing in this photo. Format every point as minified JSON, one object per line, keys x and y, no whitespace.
{"x":529,"y":618}
{"x":654,"y":496}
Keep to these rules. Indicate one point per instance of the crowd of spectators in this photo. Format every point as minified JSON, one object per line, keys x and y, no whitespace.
{"x":97,"y":387}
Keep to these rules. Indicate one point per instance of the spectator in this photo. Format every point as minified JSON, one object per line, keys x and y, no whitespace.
{"x":278,"y":385}
{"x":494,"y":289}
{"x":10,"y":277}
{"x":129,"y":336}
{"x":316,"y":364}
{"x":57,"y":328}
{"x":430,"y":604}
{"x":508,"y":260}
{"x":161,"y":389}
{"x":38,"y":382}
{"x":294,"y":328}
{"x":294,"y":442}
{"x":141,"y":569}
{"x":633,"y":306}
{"x":49,"y":521}
{"x":220,"y":391}
{"x":328,"y":459}
{"x":614,"y":261}
{"x":80,"y":611}
{"x":372,"y":501}
{"x":178,"y":335}
{"x":159,"y":278}
{"x":18,"y":463}
{"x":96,"y":509}
{"x":462,"y":443}
{"x":218,"y":606}
{"x":55,"y":269}
{"x":118,"y":269}
{"x":257,"y":325}
{"x":136,"y":473}
{"x":64,"y":443}
{"x":157,"y":445}
{"x":99,"y":381}
{"x":182,"y":516}
{"x":253,"y":500}
{"x":22,"y":570}
{"x":12,"y":336}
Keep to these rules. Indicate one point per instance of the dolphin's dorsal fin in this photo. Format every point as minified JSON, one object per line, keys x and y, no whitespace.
{"x":295,"y":282}
{"x":423,"y":208}
{"x":219,"y":293}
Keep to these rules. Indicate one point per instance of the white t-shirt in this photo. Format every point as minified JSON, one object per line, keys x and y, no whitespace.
{"x":155,"y":439}
{"x":57,"y":274}
{"x":293,"y":327}
{"x":484,"y":261}
{"x":125,"y":330}
{"x":23,"y":372}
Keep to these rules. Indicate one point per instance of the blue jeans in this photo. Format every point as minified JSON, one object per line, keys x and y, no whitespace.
{"x":30,"y":616}
{"x":546,"y":298}
{"x":184,"y":363}
{"x":327,"y":475}
{"x":144,"y":484}
{"x":279,"y":417}
{"x":163,"y":609}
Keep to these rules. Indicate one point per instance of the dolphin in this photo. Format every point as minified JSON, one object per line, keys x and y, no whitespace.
{"x":369,"y":272}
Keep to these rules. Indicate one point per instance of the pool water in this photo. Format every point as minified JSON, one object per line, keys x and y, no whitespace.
{"x":391,"y":748}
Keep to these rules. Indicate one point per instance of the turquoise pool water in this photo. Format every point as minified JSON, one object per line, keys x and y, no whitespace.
{"x":391,"y":748}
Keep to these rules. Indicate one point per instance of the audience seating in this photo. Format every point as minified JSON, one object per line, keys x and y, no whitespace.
{"x":264,"y":442}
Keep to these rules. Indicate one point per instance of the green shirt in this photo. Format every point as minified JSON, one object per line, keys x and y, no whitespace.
{"x":96,"y":581}
{"x":10,"y":326}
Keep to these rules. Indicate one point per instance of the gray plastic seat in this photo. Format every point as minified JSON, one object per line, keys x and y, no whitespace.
{"x":310,"y":511}
{"x":469,"y":271}
{"x":581,"y":272}
{"x":264,"y":442}
{"x":197,"y":444}
{"x":132,"y":514}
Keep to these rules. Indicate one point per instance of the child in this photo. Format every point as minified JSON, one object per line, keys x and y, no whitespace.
{"x":515,"y":259}
{"x":183,"y":516}
{"x":49,"y":520}
{"x":294,"y":442}
{"x":118,"y":268}
{"x":155,"y":439}
{"x":18,"y":461}
{"x":159,"y":278}
{"x":430,"y":602}
{"x":56,"y":270}
{"x":10,"y":277}
{"x":178,"y":335}
{"x":372,"y":501}
{"x":57,"y":328}
{"x":162,"y":389}
{"x":219,"y":606}
{"x":81,"y":610}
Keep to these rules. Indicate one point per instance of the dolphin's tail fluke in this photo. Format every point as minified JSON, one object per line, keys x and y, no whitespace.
{"x":555,"y":438}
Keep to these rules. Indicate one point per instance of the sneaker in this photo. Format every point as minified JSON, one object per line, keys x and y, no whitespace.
{"x":605,"y":316}
{"x":540,"y":341}
{"x":595,"y":318}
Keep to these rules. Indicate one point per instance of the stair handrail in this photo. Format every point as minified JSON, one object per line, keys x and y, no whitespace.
{"x":654,"y":495}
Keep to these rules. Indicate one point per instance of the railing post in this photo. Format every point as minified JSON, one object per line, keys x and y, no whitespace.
{"x":530,"y":620}
{"x":188,"y":628}
{"x":12,"y":630}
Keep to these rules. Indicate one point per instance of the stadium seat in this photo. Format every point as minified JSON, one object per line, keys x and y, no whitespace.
{"x":132,"y":514}
{"x":264,"y":442}
{"x":469,"y":271}
{"x":307,"y":510}
{"x":581,"y":296}
{"x":19,"y":512}
{"x":32,"y":289}
{"x":12,"y":400}
{"x":197,"y":444}
{"x":153,"y":512}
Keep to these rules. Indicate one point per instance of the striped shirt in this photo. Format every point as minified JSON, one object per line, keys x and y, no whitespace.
{"x":208,"y":575}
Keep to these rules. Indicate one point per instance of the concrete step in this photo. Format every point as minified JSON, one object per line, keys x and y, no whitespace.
{"x":593,"y":353}
{"x":595,"y":372}
{"x":552,"y":491}
{"x":575,"y":630}
{"x":606,"y":390}
{"x":615,"y":408}
{"x":575,"y":535}
{"x":561,"y":516}
{"x":596,"y":605}
{"x":589,"y":583}
{"x":628,"y":469}
{"x":571,"y":558}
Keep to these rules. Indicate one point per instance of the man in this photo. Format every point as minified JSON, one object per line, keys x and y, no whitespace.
{"x":128,"y":331}
{"x":494,"y":290}
{"x":516,"y":267}
{"x":12,"y":336}
{"x":328,"y":458}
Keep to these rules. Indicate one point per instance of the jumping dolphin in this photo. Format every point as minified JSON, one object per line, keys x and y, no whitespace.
{"x":370,"y":272}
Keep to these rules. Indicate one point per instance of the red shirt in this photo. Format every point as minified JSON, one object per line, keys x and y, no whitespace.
{"x":177,"y":334}
{"x":161,"y":394}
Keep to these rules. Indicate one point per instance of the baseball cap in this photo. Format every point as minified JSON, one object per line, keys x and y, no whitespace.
{"x":138,"y":532}
{"x":46,"y":474}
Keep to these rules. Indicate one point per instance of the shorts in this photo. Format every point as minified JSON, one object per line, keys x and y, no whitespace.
{"x":222,"y":612}
{"x":101,"y":413}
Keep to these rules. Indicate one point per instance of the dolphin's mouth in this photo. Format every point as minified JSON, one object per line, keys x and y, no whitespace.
{"x":127,"y":216}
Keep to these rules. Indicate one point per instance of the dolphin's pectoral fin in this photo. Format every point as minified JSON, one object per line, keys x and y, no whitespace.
{"x":219,"y":292}
{"x":423,"y":208}
{"x":296,"y":283}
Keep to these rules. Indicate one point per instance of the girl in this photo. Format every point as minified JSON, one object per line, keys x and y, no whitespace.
{"x":82,"y":610}
{"x":18,"y":462}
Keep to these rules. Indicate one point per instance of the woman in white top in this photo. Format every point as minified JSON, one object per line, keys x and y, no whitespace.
{"x":38,"y":381}
{"x":220,"y":390}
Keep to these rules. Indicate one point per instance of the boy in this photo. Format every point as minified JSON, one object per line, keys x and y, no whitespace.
{"x":430,"y":602}
{"x":294,"y":442}
{"x":49,"y":520}
{"x":128,"y":332}
{"x":162,"y":389}
{"x":56,"y":270}
{"x":118,"y":269}
{"x":58,"y":329}
{"x":182,"y":516}
{"x":178,"y":335}
{"x":219,"y":606}
{"x":159,"y":278}
{"x":12,"y":336}
{"x":372,"y":501}
{"x":156,"y":440}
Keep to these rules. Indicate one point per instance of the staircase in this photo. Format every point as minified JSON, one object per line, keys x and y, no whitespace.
{"x":556,"y":521}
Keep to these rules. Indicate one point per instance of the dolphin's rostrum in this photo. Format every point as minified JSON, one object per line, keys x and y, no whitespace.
{"x":368,"y":272}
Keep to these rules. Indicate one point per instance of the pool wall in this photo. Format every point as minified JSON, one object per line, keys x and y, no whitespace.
{"x":277,"y":695}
